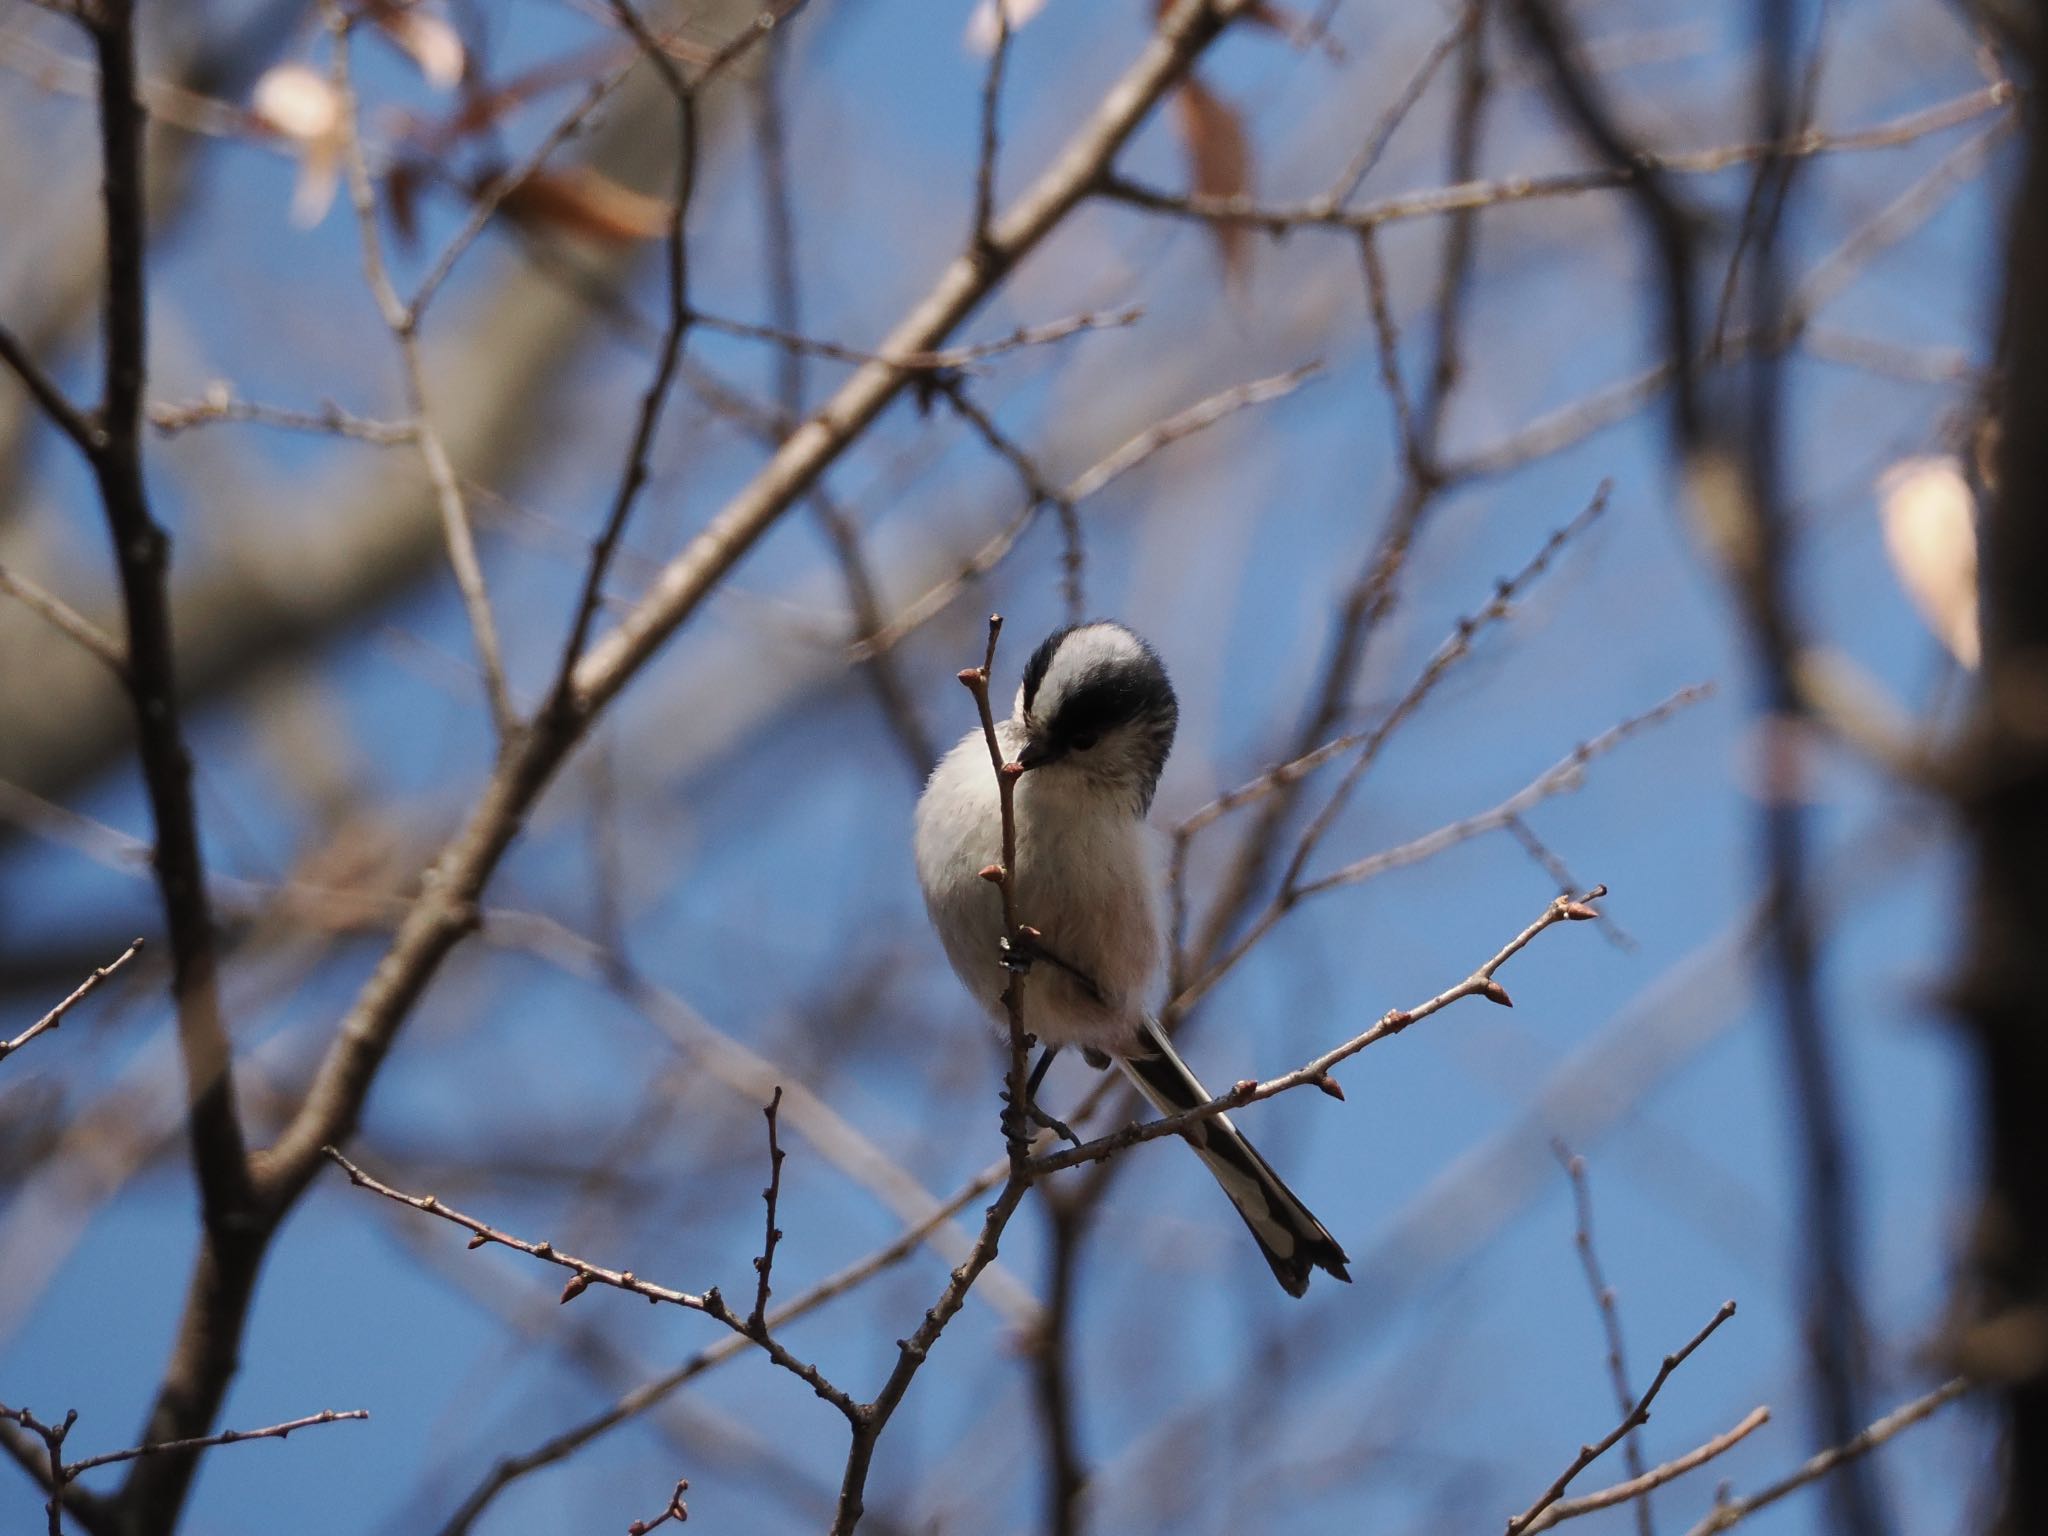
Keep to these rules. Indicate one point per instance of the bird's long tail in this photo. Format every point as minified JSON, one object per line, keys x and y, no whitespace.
{"x":1292,"y":1240}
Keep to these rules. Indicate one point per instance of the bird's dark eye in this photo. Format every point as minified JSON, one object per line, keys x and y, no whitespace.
{"x":1084,"y":741}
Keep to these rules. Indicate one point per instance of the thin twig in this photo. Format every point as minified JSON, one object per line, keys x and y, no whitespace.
{"x":675,"y":1511}
{"x":97,"y":1512}
{"x":55,"y":1016}
{"x":170,"y":419}
{"x":1734,"y":1511}
{"x":1039,"y":491}
{"x":1052,"y":1370}
{"x":1397,"y":110}
{"x":1003,"y":876}
{"x":991,"y":113}
{"x":757,"y":1320}
{"x":926,"y":360}
{"x":1588,"y":1454}
{"x":1277,"y":786}
{"x":403,"y":322}
{"x":1636,"y":1487}
{"x":892,"y":694}
{"x":911,"y":1354}
{"x":561,"y":696}
{"x":1562,"y":777}
{"x":1316,"y":1073}
{"x":583,"y":1274}
{"x":55,"y":404}
{"x":225,"y":1437}
{"x":1610,"y":1319}
{"x":1327,"y":212}
{"x":491,"y":197}
{"x":1387,"y":343}
{"x":47,"y":1468}
{"x":559,"y":1447}
{"x":61,"y":616}
{"x":1120,"y":461}
{"x":1375,"y":589}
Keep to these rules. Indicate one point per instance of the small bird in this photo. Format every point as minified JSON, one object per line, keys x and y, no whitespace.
{"x":1091,"y":726}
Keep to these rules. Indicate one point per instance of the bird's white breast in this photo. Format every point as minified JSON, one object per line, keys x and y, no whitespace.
{"x":1083,"y":880}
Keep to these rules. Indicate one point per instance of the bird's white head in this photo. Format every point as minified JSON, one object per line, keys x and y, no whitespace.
{"x":1097,"y":711}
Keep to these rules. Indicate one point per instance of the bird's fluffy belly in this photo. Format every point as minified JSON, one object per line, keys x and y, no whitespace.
{"x":1082,"y":880}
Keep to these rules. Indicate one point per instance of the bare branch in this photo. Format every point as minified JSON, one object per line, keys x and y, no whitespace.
{"x":645,"y":1396}
{"x":1316,"y":1073}
{"x":1588,"y":1454}
{"x":50,"y":1472}
{"x":675,"y":1511}
{"x":60,"y":615}
{"x":219,"y":405}
{"x":583,"y":1274}
{"x":1126,"y":457}
{"x":1363,"y":606}
{"x":1328,"y":212}
{"x":927,"y":360}
{"x":1397,"y":110}
{"x":1610,"y":1320}
{"x":55,"y":1016}
{"x":757,"y":1320}
{"x":225,"y":1437}
{"x":991,"y":109}
{"x":911,"y":1353}
{"x":677,"y":273}
{"x":56,"y":405}
{"x":94,"y":1511}
{"x":1637,"y":1487}
{"x":780,"y":275}
{"x":1735,"y":1511}
{"x":1562,"y":777}
{"x":402,"y":321}
{"x":1004,"y":877}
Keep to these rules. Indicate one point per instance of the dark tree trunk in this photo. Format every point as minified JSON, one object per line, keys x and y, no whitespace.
{"x":2004,"y":993}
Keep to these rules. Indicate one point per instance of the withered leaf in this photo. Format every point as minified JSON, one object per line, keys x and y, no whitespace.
{"x":1219,"y":165}
{"x":578,"y":200}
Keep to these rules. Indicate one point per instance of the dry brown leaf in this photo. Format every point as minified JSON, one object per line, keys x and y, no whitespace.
{"x":1930,"y":535}
{"x":1219,"y":165}
{"x":581,"y":201}
{"x":402,"y":185}
{"x":426,"y":36}
{"x":481,"y":108}
{"x":297,"y":102}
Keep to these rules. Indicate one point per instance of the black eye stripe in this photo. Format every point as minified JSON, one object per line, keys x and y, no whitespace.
{"x":1108,"y":700}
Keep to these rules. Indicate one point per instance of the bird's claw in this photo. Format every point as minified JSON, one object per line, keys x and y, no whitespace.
{"x":1053,"y":1123}
{"x":1015,"y":958}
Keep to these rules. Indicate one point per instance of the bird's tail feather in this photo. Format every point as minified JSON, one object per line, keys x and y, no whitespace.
{"x":1291,"y":1238}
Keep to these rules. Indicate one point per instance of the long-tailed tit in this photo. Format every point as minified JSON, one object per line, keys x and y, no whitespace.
{"x":1092,"y":725}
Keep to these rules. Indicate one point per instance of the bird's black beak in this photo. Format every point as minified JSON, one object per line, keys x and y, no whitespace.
{"x":1036,"y":754}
